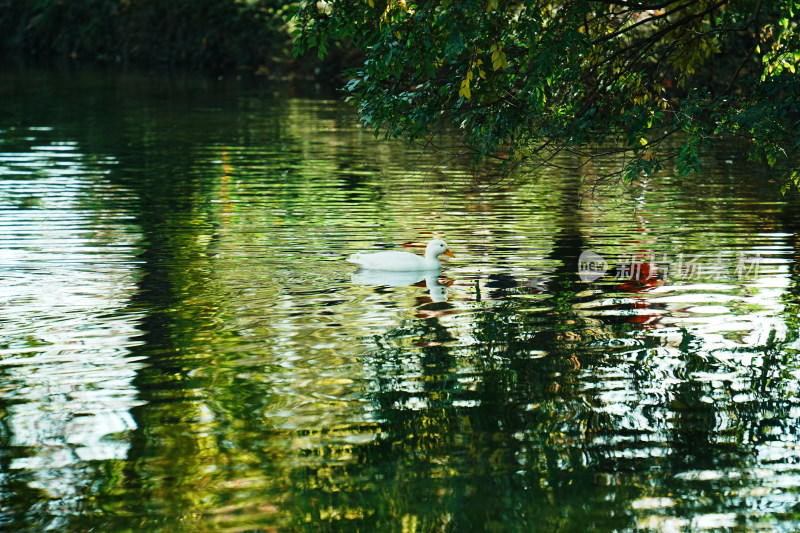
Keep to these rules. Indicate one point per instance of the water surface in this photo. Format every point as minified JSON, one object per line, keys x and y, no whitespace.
{"x":184,"y":347}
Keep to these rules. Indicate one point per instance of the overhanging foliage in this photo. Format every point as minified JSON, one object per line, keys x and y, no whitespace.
{"x":525,"y":82}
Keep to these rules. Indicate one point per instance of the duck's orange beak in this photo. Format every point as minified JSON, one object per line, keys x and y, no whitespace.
{"x":448,"y":252}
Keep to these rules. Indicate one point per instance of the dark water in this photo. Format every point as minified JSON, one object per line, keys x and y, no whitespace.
{"x":184,"y":347}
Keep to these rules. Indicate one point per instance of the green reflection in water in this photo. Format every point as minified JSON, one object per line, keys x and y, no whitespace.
{"x":244,"y":378}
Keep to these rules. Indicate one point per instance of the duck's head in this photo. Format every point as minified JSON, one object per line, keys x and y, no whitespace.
{"x":436,"y":248}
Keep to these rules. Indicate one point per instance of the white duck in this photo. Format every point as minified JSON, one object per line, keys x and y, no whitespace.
{"x":404,"y":261}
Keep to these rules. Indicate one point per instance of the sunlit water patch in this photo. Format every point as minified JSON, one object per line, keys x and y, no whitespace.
{"x":67,"y":274}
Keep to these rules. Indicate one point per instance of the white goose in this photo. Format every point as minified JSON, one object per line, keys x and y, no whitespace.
{"x":404,"y":261}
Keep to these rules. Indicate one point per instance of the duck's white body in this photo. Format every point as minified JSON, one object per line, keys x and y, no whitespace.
{"x":403,"y":261}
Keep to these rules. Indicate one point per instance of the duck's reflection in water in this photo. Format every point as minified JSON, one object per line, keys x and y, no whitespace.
{"x":436,"y":289}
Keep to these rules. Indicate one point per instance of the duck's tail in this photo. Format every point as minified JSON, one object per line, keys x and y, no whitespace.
{"x":354,"y":258}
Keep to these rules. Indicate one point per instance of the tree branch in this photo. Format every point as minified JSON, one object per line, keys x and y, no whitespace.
{"x":753,"y":20}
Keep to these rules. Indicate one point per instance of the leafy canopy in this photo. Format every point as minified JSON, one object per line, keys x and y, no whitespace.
{"x":529,"y":80}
